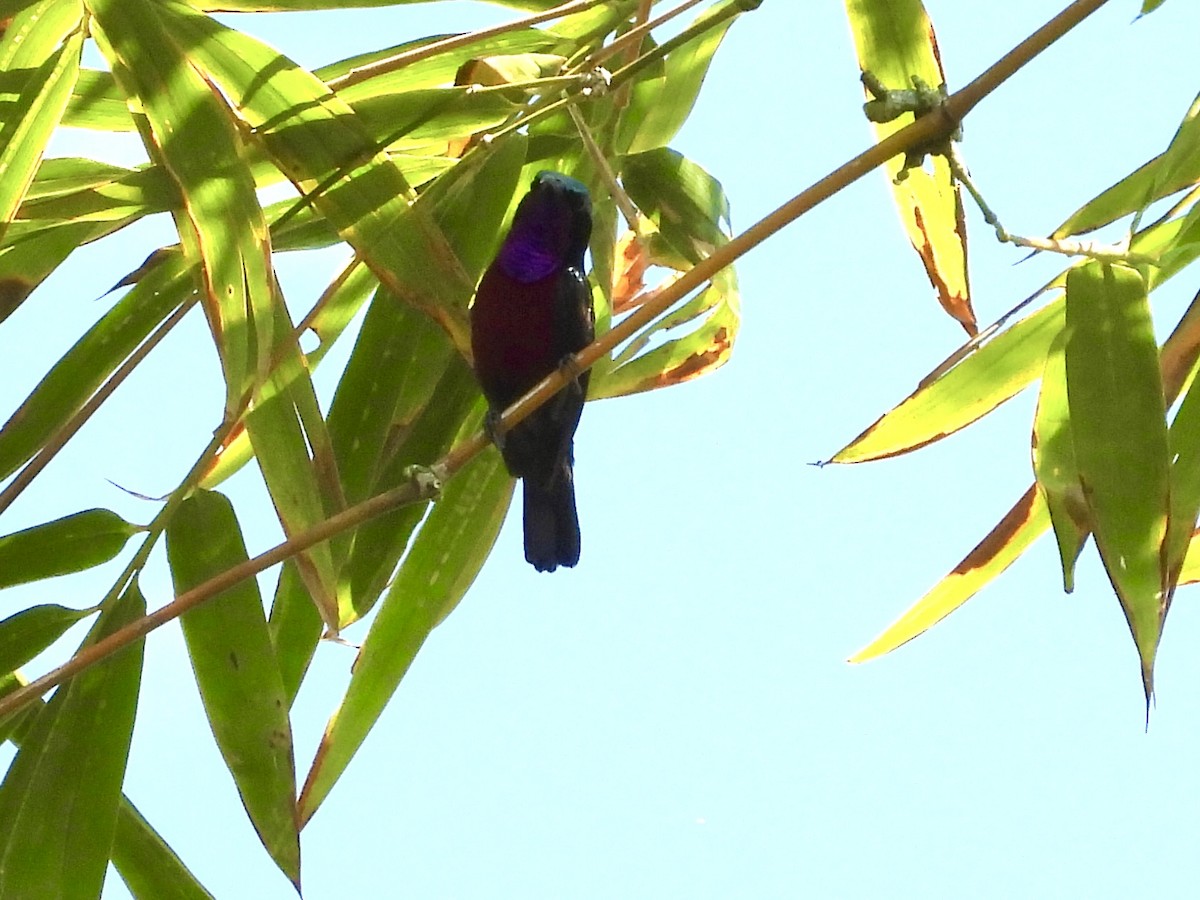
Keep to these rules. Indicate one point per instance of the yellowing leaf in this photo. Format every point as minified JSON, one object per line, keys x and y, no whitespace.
{"x":1023,"y":524}
{"x":895,"y":43}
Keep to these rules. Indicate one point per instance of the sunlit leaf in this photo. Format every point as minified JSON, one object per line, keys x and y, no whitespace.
{"x":895,"y":43}
{"x":1054,"y":464}
{"x":1011,"y":537}
{"x":964,"y":393}
{"x":39,"y":56}
{"x":1118,"y":420}
{"x":1173,"y":170}
{"x":662,"y":99}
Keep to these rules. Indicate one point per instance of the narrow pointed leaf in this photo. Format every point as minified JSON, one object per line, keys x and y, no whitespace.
{"x":147,"y":865}
{"x":895,"y":43}
{"x":40,"y":52}
{"x":1011,"y":537}
{"x":1185,"y":482}
{"x":75,"y":377}
{"x":150,"y":868}
{"x":963,"y":394}
{"x":1054,"y":464}
{"x":690,"y":211}
{"x":237,"y":673}
{"x":60,"y":798}
{"x":191,"y":132}
{"x":1118,"y":419}
{"x":446,"y":555}
{"x":70,"y":544}
{"x":662,"y":99}
{"x":26,"y":634}
{"x":318,"y":141}
{"x":1173,"y":170}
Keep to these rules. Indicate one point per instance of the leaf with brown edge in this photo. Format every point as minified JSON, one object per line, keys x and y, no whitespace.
{"x":629,"y":277}
{"x":895,"y":43}
{"x":964,"y":393}
{"x":1011,"y":537}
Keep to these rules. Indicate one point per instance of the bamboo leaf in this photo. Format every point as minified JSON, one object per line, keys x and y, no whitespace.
{"x":237,"y":673}
{"x":445,"y":558}
{"x":690,"y":211}
{"x":73,"y":379}
{"x":1118,"y":420}
{"x":191,"y":132}
{"x":59,"y":800}
{"x":70,"y":544}
{"x":39,"y":55}
{"x":1054,"y":464}
{"x":1011,"y":537}
{"x":150,"y":868}
{"x":25,"y":634}
{"x":963,"y":394}
{"x":314,"y":137}
{"x":896,"y":44}
{"x":1185,"y":483}
{"x":661,"y":100}
{"x":1171,"y":171}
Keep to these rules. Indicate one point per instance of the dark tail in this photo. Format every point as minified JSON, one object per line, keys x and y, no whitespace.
{"x":551,"y":523}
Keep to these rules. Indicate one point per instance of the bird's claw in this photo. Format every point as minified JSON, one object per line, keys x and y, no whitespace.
{"x":427,"y":479}
{"x":493,"y":427}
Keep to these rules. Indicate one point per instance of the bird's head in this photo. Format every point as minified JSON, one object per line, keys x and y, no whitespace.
{"x":550,"y":230}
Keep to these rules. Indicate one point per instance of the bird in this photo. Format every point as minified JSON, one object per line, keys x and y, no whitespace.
{"x":532,"y":311}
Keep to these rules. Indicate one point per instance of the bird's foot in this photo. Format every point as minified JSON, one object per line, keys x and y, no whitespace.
{"x":571,"y":372}
{"x":493,"y":427}
{"x":428,"y":480}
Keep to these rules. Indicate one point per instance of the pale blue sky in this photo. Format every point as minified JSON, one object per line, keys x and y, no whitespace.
{"x":674,"y":717}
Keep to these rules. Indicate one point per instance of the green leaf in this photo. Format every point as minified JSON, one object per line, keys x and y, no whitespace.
{"x":419,"y":440}
{"x":97,"y":103}
{"x":661,"y":100}
{"x":318,"y":141}
{"x":1173,"y":170}
{"x":191,"y":132}
{"x":1118,"y":419}
{"x":444,"y":560}
{"x":237,"y":673}
{"x":1185,"y":483}
{"x":1054,"y":463}
{"x":26,"y":634}
{"x":73,"y":379}
{"x":39,"y":56}
{"x":70,"y":544}
{"x":59,"y":800}
{"x":964,"y":393}
{"x":150,"y":868}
